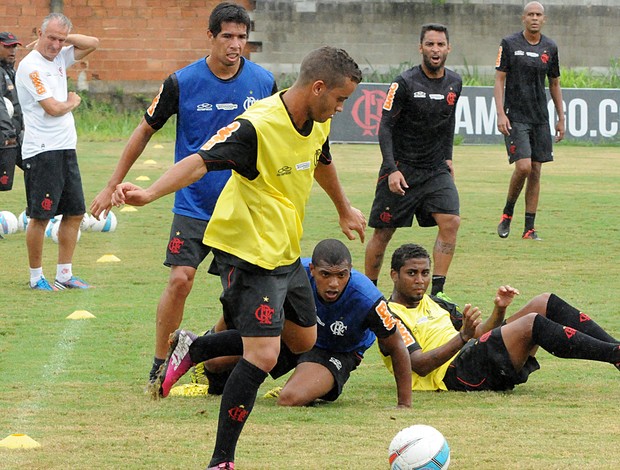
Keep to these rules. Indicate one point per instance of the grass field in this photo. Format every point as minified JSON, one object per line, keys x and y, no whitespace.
{"x":76,"y":386}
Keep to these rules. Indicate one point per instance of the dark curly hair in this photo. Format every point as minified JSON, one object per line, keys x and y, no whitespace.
{"x":406,"y":252}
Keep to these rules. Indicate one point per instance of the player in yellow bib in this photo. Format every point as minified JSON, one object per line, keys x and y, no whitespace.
{"x":450,"y":350}
{"x":275,"y":149}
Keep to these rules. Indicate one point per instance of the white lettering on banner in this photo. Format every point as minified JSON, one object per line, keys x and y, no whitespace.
{"x":612,"y":106}
{"x":484,"y":120}
{"x":463,"y":116}
{"x":486,"y":117}
{"x":578,"y":122}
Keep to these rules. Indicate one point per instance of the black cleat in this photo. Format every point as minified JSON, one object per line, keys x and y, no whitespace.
{"x":503,"y":229}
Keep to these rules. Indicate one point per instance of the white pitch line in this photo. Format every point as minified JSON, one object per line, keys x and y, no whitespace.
{"x":50,"y":373}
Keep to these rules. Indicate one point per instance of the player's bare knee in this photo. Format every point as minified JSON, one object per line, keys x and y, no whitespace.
{"x":287,"y":398}
{"x":180,"y":284}
{"x":539,"y":303}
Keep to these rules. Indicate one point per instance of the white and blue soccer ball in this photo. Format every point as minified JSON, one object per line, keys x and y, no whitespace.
{"x":22,"y":221}
{"x":50,"y":225}
{"x":54,"y":232}
{"x":8,"y":223}
{"x":86,"y":223}
{"x":104,"y":224}
{"x":419,"y":447}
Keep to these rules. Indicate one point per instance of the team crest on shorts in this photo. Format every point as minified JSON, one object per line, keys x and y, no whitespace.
{"x":175,"y":244}
{"x":386,"y":216}
{"x":46,"y":203}
{"x":264,"y":314}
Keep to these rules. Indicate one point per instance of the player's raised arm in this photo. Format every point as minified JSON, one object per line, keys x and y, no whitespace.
{"x":140,"y":137}
{"x":180,"y":175}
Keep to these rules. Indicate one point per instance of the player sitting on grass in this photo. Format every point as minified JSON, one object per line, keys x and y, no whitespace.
{"x":453,"y":351}
{"x":350,"y":312}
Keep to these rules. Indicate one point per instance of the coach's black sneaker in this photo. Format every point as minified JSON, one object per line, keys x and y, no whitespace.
{"x":531,"y":235}
{"x":503,"y":229}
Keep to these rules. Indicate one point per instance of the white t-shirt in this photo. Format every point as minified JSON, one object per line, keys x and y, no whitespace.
{"x":37,"y":79}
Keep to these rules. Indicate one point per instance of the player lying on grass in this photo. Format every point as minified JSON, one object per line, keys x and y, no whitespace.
{"x":453,"y":351}
{"x":350,"y":312}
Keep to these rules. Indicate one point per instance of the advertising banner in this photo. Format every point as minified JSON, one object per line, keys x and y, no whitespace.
{"x":592,"y":115}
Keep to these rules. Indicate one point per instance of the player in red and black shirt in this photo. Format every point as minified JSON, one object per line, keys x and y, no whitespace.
{"x":524,"y":61}
{"x":416,"y":136}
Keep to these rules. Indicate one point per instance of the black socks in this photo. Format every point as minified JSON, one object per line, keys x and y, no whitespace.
{"x":224,"y":343}
{"x":237,"y":403}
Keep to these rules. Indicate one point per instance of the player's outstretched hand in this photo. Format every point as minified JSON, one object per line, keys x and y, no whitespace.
{"x":471,"y":320}
{"x":504,"y":296}
{"x":129,"y":193}
{"x":102,"y":202}
{"x":353,"y":221}
{"x":397,"y":183}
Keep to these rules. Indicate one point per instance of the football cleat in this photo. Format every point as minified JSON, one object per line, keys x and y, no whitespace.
{"x":531,"y":235}
{"x":503,"y":229}
{"x":273,"y":393}
{"x":72,"y":283}
{"x":198,"y":376}
{"x":43,"y":284}
{"x":223,"y":466}
{"x":178,"y":362}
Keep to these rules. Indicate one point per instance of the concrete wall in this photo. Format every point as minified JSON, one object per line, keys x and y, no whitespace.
{"x":382,"y":33}
{"x":142,"y":41}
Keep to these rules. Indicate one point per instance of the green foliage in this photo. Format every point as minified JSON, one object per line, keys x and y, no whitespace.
{"x":76,"y":387}
{"x":113,"y":117}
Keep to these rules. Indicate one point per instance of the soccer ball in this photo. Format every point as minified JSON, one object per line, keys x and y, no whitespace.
{"x":54,"y":232}
{"x":86,"y":223}
{"x":22,"y":221}
{"x":8,"y":223}
{"x":104,"y":224}
{"x":419,"y":447}
{"x":50,"y":225}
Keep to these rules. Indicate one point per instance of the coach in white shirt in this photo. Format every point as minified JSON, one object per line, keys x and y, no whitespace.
{"x":51,"y":173}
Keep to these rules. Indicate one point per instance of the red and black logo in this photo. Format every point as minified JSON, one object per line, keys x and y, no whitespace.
{"x":512,"y":149}
{"x":451,"y":98}
{"x":263,"y":314}
{"x":385,"y":216}
{"x":46,"y":204}
{"x":238,"y":413}
{"x":544,"y":57}
{"x":570,"y":332}
{"x":485,"y":336}
{"x":583,"y":317}
{"x":4,"y":179}
{"x":175,"y":245}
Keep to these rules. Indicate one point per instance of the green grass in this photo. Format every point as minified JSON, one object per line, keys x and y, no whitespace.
{"x":76,"y":387}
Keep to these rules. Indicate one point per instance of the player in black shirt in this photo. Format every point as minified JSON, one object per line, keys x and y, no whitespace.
{"x":524,"y":60}
{"x":416,"y":136}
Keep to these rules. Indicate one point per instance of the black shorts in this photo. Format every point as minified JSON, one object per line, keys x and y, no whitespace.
{"x":529,"y":141}
{"x":430,"y":192}
{"x":8,"y":158}
{"x":339,"y":364}
{"x":254,"y":301}
{"x":484,"y":364}
{"x":53,"y":185}
{"x":185,"y":246}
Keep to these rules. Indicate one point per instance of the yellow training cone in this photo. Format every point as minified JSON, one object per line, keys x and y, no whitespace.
{"x":19,"y":441}
{"x":108,"y":259}
{"x":129,"y":209}
{"x":80,"y":315}
{"x":150,"y":162}
{"x":143,"y":178}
